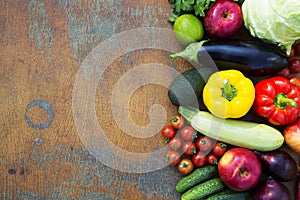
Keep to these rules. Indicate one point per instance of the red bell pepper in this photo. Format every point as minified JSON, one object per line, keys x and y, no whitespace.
{"x":278,"y":100}
{"x":295,"y":81}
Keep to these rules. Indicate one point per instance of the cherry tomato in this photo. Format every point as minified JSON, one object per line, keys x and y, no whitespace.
{"x":219,"y":149}
{"x":168,"y":131}
{"x":294,"y":65}
{"x":212,"y":159}
{"x":204,"y":143}
{"x":199,"y":159}
{"x":188,"y":133}
{"x":185,"y":166}
{"x":175,"y":143}
{"x":188,"y":148}
{"x":173,"y":157}
{"x":178,"y":121}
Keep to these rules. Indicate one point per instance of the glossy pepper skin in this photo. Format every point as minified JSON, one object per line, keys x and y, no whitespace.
{"x":278,"y":100}
{"x":228,"y":94}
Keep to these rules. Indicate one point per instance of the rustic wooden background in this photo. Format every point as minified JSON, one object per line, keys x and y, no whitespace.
{"x":42,"y":46}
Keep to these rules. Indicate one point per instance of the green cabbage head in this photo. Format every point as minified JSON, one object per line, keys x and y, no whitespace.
{"x":274,"y":21}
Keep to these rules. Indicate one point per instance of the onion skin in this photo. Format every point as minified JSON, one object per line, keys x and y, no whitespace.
{"x":271,"y":189}
{"x":279,"y":164}
{"x":292,"y":136}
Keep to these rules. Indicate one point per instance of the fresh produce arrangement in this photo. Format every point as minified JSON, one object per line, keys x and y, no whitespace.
{"x":218,"y":151}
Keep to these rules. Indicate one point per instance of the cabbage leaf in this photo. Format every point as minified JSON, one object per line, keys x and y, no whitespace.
{"x":274,"y":21}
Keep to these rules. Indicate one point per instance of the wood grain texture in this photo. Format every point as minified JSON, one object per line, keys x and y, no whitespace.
{"x":43,"y":44}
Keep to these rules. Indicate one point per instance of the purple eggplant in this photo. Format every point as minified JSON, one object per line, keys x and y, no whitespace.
{"x":271,"y":189}
{"x":279,"y":164}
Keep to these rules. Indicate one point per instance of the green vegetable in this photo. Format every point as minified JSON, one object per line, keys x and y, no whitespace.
{"x":229,"y":194}
{"x":195,"y":7}
{"x":186,"y":88}
{"x":236,"y":132}
{"x":197,"y":176}
{"x":274,"y":21}
{"x":204,"y":189}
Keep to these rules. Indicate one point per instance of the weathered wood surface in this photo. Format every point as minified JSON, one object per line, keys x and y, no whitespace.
{"x":47,"y":150}
{"x":42,"y":46}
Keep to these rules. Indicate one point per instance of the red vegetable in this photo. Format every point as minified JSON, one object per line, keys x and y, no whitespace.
{"x":175,"y":143}
{"x":295,"y":81}
{"x":291,"y":135}
{"x":185,"y":166}
{"x":173,"y":157}
{"x":212,"y":159}
{"x":278,"y":100}
{"x":188,"y":148}
{"x":278,"y":164}
{"x":271,"y":189}
{"x":188,"y":133}
{"x":178,"y":121}
{"x":199,"y":159}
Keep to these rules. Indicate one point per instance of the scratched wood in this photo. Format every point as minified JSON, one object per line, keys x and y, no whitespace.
{"x":42,"y":47}
{"x":43,"y":44}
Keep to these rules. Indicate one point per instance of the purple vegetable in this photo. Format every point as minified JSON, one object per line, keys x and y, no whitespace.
{"x":279,"y":164}
{"x":271,"y":189}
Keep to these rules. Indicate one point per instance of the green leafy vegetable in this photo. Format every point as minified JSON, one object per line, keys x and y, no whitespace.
{"x":196,"y":7}
{"x":274,"y":21}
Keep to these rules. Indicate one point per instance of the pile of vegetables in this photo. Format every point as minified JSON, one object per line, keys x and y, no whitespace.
{"x":257,"y":77}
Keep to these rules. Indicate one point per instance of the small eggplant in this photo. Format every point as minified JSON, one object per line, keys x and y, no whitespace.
{"x":279,"y":164}
{"x":271,"y":189}
{"x":252,"y":57}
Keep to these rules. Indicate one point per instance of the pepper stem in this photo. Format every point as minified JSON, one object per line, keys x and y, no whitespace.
{"x":282,"y":101}
{"x":229,"y":91}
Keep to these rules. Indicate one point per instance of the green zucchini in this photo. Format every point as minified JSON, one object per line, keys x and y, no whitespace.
{"x":204,"y":189}
{"x":197,"y":176}
{"x":236,"y":132}
{"x":186,"y":88}
{"x":230,"y":195}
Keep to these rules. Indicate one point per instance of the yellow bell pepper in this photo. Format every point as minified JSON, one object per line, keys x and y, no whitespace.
{"x":228,"y":94}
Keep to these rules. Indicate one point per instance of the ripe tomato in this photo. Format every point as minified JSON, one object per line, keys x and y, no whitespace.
{"x":199,"y":159}
{"x":185,"y":166}
{"x":173,"y":157}
{"x":168,"y":131}
{"x":188,"y":133}
{"x":175,"y":143}
{"x":219,"y":149}
{"x":204,"y":144}
{"x":212,"y":159}
{"x":188,"y":148}
{"x":178,"y":121}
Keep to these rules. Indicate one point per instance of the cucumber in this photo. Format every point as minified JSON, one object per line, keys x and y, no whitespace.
{"x":204,"y":189}
{"x":230,"y":195}
{"x":251,"y":135}
{"x":197,"y":176}
{"x":186,"y":88}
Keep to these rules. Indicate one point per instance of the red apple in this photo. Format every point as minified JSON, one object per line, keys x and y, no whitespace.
{"x":240,"y":169}
{"x":223,"y":19}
